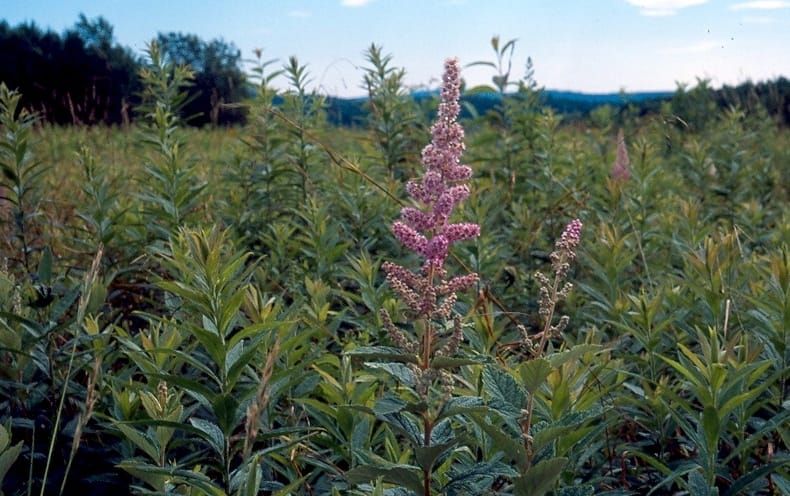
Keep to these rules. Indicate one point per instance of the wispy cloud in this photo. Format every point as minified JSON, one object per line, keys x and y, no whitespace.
{"x":662,"y":8}
{"x":700,"y":47}
{"x":354,"y":3}
{"x":299,"y":13}
{"x":761,"y":5}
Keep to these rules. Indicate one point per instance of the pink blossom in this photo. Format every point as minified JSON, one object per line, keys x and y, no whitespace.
{"x":424,"y":228}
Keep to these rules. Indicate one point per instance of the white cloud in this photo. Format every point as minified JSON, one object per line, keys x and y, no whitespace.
{"x":761,"y":5}
{"x":354,"y":3}
{"x":299,"y":13}
{"x":662,"y":8}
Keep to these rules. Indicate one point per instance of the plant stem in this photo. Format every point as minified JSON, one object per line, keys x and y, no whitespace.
{"x":526,"y":425}
{"x":427,"y":472}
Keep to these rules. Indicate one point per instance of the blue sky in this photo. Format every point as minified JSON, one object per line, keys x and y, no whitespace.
{"x":584,"y":45}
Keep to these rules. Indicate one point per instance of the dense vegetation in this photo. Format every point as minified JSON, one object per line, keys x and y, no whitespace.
{"x":205,"y":311}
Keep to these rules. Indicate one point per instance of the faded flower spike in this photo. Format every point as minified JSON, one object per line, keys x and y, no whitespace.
{"x":621,"y":170}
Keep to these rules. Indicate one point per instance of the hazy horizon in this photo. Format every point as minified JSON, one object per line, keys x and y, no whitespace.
{"x":601,"y":47}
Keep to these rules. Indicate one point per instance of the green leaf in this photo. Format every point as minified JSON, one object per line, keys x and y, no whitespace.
{"x":403,"y":423}
{"x":753,"y":476}
{"x":246,"y":480}
{"x":45,"y":267}
{"x":142,"y":441}
{"x":427,"y":455}
{"x":226,"y":408}
{"x":407,"y":476}
{"x":8,"y":457}
{"x":476,"y":478}
{"x":5,"y":439}
{"x":240,"y":359}
{"x":211,"y":433}
{"x":540,"y":478}
{"x":534,"y":373}
{"x":711,"y":428}
{"x":461,"y":404}
{"x":389,"y":404}
{"x":558,"y":359}
{"x":174,"y":475}
{"x":698,"y":486}
{"x":507,"y":397}
{"x":211,"y":342}
{"x":396,"y":370}
{"x":382,"y":353}
{"x":512,"y":446}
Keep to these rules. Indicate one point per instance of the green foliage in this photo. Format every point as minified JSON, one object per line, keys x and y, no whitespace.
{"x":197,"y":311}
{"x":21,"y":180}
{"x":171,"y":191}
{"x":392,"y":113}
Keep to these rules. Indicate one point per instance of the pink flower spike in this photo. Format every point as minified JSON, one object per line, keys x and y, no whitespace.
{"x":458,"y":232}
{"x":571,"y":236}
{"x":417,"y":219}
{"x":410,"y":238}
{"x":436,"y":249}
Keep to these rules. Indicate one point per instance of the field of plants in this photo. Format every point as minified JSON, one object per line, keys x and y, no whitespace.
{"x":597,"y":307}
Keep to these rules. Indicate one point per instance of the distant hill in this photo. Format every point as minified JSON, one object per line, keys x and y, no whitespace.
{"x":351,"y":111}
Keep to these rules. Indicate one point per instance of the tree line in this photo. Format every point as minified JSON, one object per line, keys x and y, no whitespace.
{"x":83,"y":76}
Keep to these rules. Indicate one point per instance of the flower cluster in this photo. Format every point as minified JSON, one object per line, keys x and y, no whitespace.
{"x":425,"y":229}
{"x":552,"y":293}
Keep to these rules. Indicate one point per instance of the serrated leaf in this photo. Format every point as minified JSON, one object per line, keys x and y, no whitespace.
{"x":507,"y":397}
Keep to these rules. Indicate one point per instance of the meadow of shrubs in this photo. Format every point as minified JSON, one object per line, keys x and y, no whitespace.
{"x":599,"y":307}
